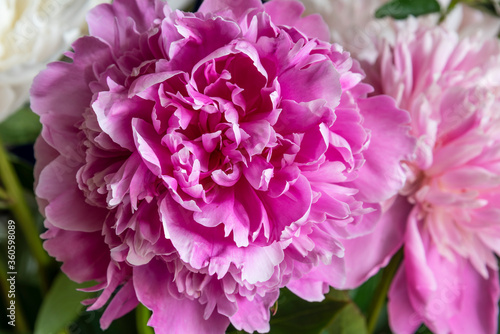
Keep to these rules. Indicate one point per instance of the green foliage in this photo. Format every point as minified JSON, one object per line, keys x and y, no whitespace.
{"x":142,"y":315}
{"x":61,"y":306}
{"x":348,"y":320}
{"x":336,"y":314}
{"x":401,"y":9}
{"x":21,"y":128}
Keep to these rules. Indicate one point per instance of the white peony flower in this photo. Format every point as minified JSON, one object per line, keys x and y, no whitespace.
{"x":33,"y":33}
{"x":352,"y":23}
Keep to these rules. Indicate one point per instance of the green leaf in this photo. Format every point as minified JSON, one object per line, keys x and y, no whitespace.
{"x":142,"y":317}
{"x":348,"y":320}
{"x":363,"y":295}
{"x":61,"y":306}
{"x":24,"y":171}
{"x":23,"y":127}
{"x":401,"y":9}
{"x":336,"y":314}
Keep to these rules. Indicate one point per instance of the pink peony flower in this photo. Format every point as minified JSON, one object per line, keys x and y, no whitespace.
{"x":353,"y":24}
{"x":198,"y":162}
{"x":449,"y":209}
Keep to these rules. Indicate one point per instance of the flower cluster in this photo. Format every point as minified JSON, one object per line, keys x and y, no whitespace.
{"x":198,"y":162}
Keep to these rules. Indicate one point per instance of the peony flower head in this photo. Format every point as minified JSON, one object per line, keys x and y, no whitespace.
{"x":450,"y":203}
{"x":198,"y":162}
{"x":353,"y":24}
{"x":33,"y":33}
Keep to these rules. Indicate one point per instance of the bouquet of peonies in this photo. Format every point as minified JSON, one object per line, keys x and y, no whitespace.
{"x":254,"y":167}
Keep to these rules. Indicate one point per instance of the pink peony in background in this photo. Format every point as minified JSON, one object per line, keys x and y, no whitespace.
{"x":198,"y":162}
{"x":449,"y":210}
{"x":352,"y":23}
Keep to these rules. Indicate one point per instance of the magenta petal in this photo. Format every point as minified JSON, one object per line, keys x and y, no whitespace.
{"x":361,"y":224}
{"x":440,"y":289}
{"x":309,"y":289}
{"x":235,"y":8}
{"x":313,"y":146}
{"x":312,"y":25}
{"x":402,"y":316}
{"x":211,"y":140}
{"x":301,"y":117}
{"x":333,"y":202}
{"x":287,"y":17}
{"x":44,"y":154}
{"x":208,"y":249}
{"x":419,"y":274}
{"x":254,"y":315}
{"x":226,"y":179}
{"x":317,"y":81}
{"x":58,"y":186}
{"x":73,"y":97}
{"x":261,"y":135}
{"x":313,"y":285}
{"x":259,"y":173}
{"x":464,"y":302}
{"x":121,"y":182}
{"x":382,"y":243}
{"x":84,"y":255}
{"x":387,"y":124}
{"x":241,"y":213}
{"x":151,"y":283}
{"x":146,"y":81}
{"x":108,"y":22}
{"x":479,"y":305}
{"x":291,"y":207}
{"x":122,"y":303}
{"x":115,"y":112}
{"x":147,"y":141}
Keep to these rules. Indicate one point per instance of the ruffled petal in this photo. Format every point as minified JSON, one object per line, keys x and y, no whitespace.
{"x":152,"y":285}
{"x":365,"y":255}
{"x":382,"y":174}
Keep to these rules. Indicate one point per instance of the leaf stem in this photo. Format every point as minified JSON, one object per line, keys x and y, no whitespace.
{"x":22,"y":214}
{"x":382,"y":289}
{"x":3,"y":194}
{"x":142,"y":316}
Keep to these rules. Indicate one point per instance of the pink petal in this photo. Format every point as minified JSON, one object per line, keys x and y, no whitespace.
{"x":313,"y":285}
{"x":479,"y":305}
{"x":319,"y":80}
{"x":254,"y":315}
{"x":57,"y":185}
{"x":312,"y":25}
{"x":403,"y":318}
{"x":235,"y":8}
{"x":73,"y":96}
{"x":382,"y":175}
{"x":85,"y":256}
{"x":122,"y":303}
{"x":109,"y":22}
{"x":365,"y":255}
{"x":151,"y":283}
